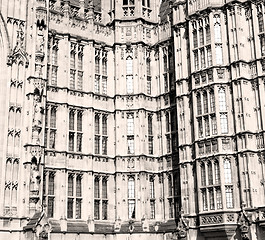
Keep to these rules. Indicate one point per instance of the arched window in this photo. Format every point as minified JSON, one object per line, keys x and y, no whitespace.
{"x":129,"y":65}
{"x":15,"y":170}
{"x":148,"y":66}
{"x":53,"y":118}
{"x":205,"y":102}
{"x":212,"y":101}
{"x":55,"y":56}
{"x":104,"y":125}
{"x":170,"y":186}
{"x":203,"y":175}
{"x":80,"y":62}
{"x":167,"y":122}
{"x":201,"y":35}
{"x":217,"y":172}
{"x":72,"y":59}
{"x":70,"y":185}
{"x":222,"y":99}
{"x":104,"y":66}
{"x":170,"y":58}
{"x":227,"y":171}
{"x":129,"y":74}
{"x":130,"y":124}
{"x":96,"y":124}
{"x":79,"y":121}
{"x":79,"y":186}
{"x":224,"y":123}
{"x":71,"y":120}
{"x":150,"y":125}
{"x":131,"y":197}
{"x":217,"y":28}
{"x":97,"y":63}
{"x":210,"y":173}
{"x":96,"y":188}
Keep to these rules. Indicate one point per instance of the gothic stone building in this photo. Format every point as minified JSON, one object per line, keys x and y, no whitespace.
{"x":129,"y":119}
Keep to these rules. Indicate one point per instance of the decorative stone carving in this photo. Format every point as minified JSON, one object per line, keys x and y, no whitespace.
{"x":117,"y":225}
{"x":38,"y":108}
{"x":205,"y":220}
{"x":244,"y":222}
{"x":182,"y":227}
{"x":34,"y":177}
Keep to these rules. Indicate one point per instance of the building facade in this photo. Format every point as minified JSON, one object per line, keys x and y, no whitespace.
{"x":132,"y":119}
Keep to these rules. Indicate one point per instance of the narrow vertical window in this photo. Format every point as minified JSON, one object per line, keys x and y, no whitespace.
{"x":97,"y":124}
{"x":224,"y":123}
{"x":227,"y":171}
{"x":104,"y":66}
{"x":195,"y":38}
{"x":72,"y":69}
{"x":196,"y":60}
{"x":219,"y":54}
{"x":262,"y":45}
{"x":131,"y":197}
{"x":97,"y":63}
{"x":208,"y":34}
{"x":96,"y":198}
{"x":219,"y":199}
{"x":97,"y":82}
{"x":54,"y":63}
{"x":71,"y":130}
{"x":152,"y":197}
{"x":170,"y":186}
{"x":212,"y":101}
{"x":129,"y":74}
{"x":229,"y":196}
{"x":104,"y":145}
{"x":171,"y":208}
{"x":211,"y":199}
{"x":203,"y":62}
{"x":78,"y":209}
{"x":210,"y":174}
{"x":150,"y":125}
{"x":199,"y":104}
{"x":70,"y":196}
{"x":214,"y":125}
{"x":204,"y":200}
{"x":201,"y":34}
{"x":130,"y":125}
{"x":104,"y":125}
{"x":205,"y":102}
{"x":96,"y":188}
{"x":79,"y":121}
{"x":80,"y":71}
{"x":217,"y":29}
{"x":53,"y":118}
{"x":200,"y":127}
{"x":167,"y":122}
{"x":104,"y":85}
{"x":203,"y":175}
{"x":97,"y":144}
{"x":209,"y":56}
{"x":217,"y":173}
{"x":148,"y":72}
{"x":222,"y":99}
{"x":207,"y":126}
{"x":71,"y":120}
{"x":71,"y":141}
